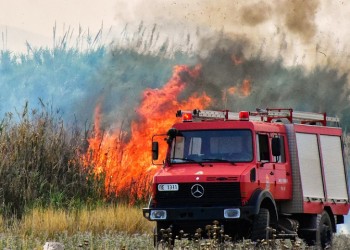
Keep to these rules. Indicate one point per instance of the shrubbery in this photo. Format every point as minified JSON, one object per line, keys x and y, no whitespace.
{"x":40,"y":163}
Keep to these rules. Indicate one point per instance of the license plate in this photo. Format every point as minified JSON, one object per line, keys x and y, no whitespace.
{"x":168,"y":187}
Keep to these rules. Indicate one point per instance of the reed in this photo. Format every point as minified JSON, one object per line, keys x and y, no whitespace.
{"x":40,"y":165}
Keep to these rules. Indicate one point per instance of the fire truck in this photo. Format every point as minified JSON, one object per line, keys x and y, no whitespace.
{"x":269,"y":171}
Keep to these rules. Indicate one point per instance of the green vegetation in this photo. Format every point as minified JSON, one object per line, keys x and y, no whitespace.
{"x":40,"y":164}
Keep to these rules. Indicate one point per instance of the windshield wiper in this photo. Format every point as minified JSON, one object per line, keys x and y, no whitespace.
{"x":219,"y":160}
{"x":188,"y":160}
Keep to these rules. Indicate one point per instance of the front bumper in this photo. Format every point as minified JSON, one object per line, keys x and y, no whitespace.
{"x":199,"y":213}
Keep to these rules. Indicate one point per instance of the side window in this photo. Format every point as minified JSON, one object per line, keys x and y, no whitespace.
{"x":263,"y":151}
{"x":282,"y":158}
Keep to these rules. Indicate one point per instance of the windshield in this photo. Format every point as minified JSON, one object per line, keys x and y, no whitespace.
{"x":212,"y":145}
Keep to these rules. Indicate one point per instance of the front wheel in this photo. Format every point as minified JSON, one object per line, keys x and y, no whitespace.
{"x":324,"y":230}
{"x":260,"y":227}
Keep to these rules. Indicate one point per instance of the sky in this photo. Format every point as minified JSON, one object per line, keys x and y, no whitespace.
{"x":33,"y":20}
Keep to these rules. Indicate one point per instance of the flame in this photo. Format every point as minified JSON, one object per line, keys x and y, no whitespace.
{"x":232,"y":90}
{"x":127,"y":165}
{"x":244,"y":90}
{"x":236,"y":60}
{"x":246,"y":87}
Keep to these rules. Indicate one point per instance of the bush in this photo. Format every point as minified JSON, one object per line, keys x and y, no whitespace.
{"x":39,"y":163}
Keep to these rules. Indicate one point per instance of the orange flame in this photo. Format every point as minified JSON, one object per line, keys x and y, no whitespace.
{"x":127,"y":165}
{"x":243,"y":91}
{"x":236,"y":59}
{"x":246,"y":87}
{"x":231,"y":90}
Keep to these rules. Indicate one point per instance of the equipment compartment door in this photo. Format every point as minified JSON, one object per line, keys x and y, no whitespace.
{"x":310,"y":166}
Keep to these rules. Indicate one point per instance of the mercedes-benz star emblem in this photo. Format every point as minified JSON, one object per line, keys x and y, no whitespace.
{"x":197,"y":190}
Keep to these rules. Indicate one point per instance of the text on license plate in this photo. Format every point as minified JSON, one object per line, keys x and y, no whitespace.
{"x":168,"y":187}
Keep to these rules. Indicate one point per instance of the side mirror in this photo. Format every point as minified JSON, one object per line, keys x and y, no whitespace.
{"x":155,"y":150}
{"x":276,"y":146}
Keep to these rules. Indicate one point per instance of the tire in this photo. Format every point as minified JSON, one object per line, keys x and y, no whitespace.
{"x":324,"y":230}
{"x":260,"y":227}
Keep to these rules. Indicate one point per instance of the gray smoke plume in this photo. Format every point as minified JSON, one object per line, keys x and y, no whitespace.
{"x":271,"y":83}
{"x":289,"y":51}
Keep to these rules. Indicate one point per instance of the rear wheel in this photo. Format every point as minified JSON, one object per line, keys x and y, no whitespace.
{"x":324,"y":230}
{"x":260,"y":227}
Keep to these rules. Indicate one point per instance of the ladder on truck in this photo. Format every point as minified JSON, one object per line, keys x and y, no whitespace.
{"x":265,"y":115}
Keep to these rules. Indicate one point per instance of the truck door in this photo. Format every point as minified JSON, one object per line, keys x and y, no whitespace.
{"x":266,"y":171}
{"x":281,"y":171}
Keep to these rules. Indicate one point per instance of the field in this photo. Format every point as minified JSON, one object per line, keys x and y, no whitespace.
{"x":105,"y":227}
{"x":112,"y":227}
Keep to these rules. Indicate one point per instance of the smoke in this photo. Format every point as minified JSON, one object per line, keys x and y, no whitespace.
{"x":298,"y":31}
{"x":255,"y":14}
{"x":252,"y":54}
{"x":123,"y":78}
{"x":269,"y":83}
{"x":292,"y":53}
{"x":300,"y":19}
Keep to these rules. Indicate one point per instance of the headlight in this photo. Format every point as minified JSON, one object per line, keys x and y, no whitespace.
{"x":158,"y":215}
{"x":232,"y":213}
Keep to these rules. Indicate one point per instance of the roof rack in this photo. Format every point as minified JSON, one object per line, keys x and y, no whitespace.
{"x":265,"y":115}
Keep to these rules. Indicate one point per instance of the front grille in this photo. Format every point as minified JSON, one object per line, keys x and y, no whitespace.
{"x":215,"y":194}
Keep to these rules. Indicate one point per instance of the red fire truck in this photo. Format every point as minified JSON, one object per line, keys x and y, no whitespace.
{"x":252,"y":172}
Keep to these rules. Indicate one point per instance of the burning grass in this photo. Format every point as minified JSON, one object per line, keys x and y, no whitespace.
{"x":127,"y":164}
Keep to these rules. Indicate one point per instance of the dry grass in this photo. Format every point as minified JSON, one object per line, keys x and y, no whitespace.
{"x":51,"y":221}
{"x":104,"y":227}
{"x":112,"y":227}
